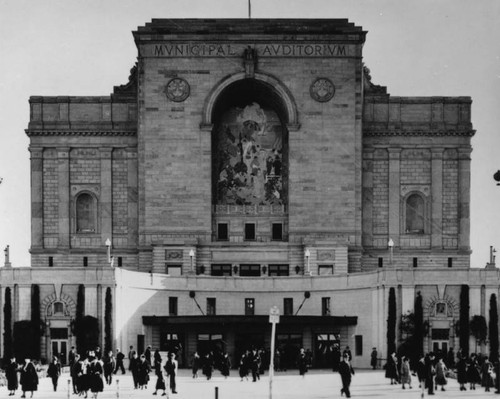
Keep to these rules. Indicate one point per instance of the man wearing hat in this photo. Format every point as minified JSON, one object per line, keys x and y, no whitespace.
{"x":171,"y":370}
{"x":345,"y":371}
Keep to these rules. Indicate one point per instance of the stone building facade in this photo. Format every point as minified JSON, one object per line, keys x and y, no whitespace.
{"x":249,"y":164}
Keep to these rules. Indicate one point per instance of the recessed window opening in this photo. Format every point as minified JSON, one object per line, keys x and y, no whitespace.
{"x":222,"y":231}
{"x":249,"y":231}
{"x":277,"y":232}
{"x":415,"y":214}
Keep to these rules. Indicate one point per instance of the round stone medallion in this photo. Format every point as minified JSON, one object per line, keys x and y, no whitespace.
{"x":177,"y":89}
{"x":322,"y":90}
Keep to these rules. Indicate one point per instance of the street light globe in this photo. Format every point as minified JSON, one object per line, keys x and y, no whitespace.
{"x":191,"y":253}
{"x":307,"y":253}
{"x":108,"y":242}
{"x":390,"y":243}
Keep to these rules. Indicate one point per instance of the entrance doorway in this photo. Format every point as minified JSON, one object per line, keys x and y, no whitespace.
{"x":327,"y":351}
{"x":247,"y":341}
{"x":60,"y":349}
{"x":289,"y":346}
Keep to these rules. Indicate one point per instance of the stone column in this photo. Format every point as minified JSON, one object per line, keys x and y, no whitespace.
{"x":106,"y":195}
{"x":437,"y":198}
{"x":64,"y":202}
{"x":394,"y":194}
{"x":464,"y":198}
{"x":36,"y":197}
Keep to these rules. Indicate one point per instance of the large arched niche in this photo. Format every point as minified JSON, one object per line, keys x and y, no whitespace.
{"x":250,"y":145}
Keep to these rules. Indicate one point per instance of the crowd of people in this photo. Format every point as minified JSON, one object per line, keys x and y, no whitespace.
{"x":433,"y":370}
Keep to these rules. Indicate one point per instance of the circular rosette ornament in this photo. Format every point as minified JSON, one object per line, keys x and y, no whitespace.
{"x":177,"y":90}
{"x":322,"y":90}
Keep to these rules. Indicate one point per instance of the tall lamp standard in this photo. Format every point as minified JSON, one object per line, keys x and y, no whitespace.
{"x":308,"y":255}
{"x":191,"y":255}
{"x":390,"y":244}
{"x":110,"y":258}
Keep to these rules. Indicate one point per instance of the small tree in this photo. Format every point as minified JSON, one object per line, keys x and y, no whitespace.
{"x":478,"y":329}
{"x":7,"y":326}
{"x":108,"y":307}
{"x":87,"y":333}
{"x":23,"y":339}
{"x":391,"y":323}
{"x":493,"y":328}
{"x":464,"y":320}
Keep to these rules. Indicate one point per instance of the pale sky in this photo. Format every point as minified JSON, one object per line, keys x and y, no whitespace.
{"x":415,"y":48}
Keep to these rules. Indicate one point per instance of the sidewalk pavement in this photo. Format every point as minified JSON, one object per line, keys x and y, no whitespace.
{"x":317,"y":384}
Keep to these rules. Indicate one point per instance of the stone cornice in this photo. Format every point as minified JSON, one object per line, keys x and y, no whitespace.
{"x":38,"y":133}
{"x":416,"y":133}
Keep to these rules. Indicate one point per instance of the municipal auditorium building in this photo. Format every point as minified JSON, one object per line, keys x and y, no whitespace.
{"x":246,"y":164}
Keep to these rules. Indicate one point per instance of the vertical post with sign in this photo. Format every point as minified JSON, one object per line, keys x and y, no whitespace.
{"x":274,"y":318}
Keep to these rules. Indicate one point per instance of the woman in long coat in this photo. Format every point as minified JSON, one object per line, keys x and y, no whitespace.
{"x":160,"y":379}
{"x":29,"y":378}
{"x":95,"y":372}
{"x":440,"y":378}
{"x":486,"y":370}
{"x":405,"y":372}
{"x":143,"y":370}
{"x":462,"y":372}
{"x":11,"y":375}
{"x":391,"y":370}
{"x":473,"y":375}
{"x":225,"y":365}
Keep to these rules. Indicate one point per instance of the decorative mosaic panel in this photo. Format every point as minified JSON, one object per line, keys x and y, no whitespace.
{"x":248,"y":164}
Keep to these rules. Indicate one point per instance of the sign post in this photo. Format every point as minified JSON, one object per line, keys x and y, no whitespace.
{"x":274,"y":318}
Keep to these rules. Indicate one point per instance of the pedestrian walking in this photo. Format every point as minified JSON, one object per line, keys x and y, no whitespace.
{"x":143,"y":370}
{"x":11,"y":376}
{"x":391,"y":370}
{"x":421,"y":375}
{"x":374,"y":359}
{"x":134,"y":369}
{"x":255,"y":364}
{"x":160,"y":379}
{"x":147,"y":354}
{"x":195,"y":364}
{"x":225,"y":365}
{"x":71,"y":357}
{"x":486,"y":374}
{"x":119,"y":361}
{"x":109,"y":367}
{"x":29,"y":378}
{"x":473,"y":374}
{"x":74,"y":370}
{"x":243,"y":366}
{"x":347,"y":351}
{"x":208,"y":366}
{"x":346,"y":372}
{"x":277,"y":360}
{"x":54,"y":371}
{"x":98,"y":353}
{"x":302,"y":362}
{"x":83,"y":377}
{"x":441,"y":370}
{"x":95,"y":372}
{"x":131,"y":353}
{"x":462,"y":371}
{"x":171,"y":367}
{"x":430,"y":372}
{"x":405,"y":372}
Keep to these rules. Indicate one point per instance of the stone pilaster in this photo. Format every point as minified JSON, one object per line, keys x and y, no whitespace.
{"x":437,"y":198}
{"x":132,"y":197}
{"x":36,"y":197}
{"x":63,"y":196}
{"x":106,"y":195}
{"x":464,"y":198}
{"x":394,"y":193}
{"x":367,"y":198}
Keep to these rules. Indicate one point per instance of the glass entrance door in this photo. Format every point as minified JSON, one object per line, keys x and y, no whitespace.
{"x":60,"y":349}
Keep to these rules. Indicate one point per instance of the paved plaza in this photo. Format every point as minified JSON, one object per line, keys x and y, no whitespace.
{"x":318,"y":384}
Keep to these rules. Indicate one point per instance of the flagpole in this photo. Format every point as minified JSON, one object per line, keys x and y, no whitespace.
{"x":249,"y":9}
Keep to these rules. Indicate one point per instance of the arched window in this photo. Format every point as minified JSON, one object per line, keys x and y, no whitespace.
{"x":85,"y":213}
{"x":58,"y":308}
{"x":415,"y":214}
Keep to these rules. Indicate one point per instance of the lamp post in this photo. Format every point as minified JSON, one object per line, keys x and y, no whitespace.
{"x":390,"y":244}
{"x":308,"y":255}
{"x":191,"y":256}
{"x":110,"y":258}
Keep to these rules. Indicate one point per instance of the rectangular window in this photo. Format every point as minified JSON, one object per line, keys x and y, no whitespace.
{"x":288,"y":306}
{"x":415,"y":262}
{"x":279,"y":270}
{"x":249,"y":231}
{"x":172,"y":306}
{"x":85,"y":261}
{"x":220,"y":270}
{"x":250,"y":270}
{"x":211,"y":307}
{"x":325,"y":270}
{"x":222,"y":231}
{"x":120,"y":261}
{"x":380,"y":262}
{"x":325,"y":306}
{"x":51,"y":261}
{"x":450,"y":262}
{"x":249,"y":306}
{"x":358,"y":345}
{"x":59,"y":333}
{"x":277,"y":232}
{"x":442,"y":334}
{"x":174,"y":270}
